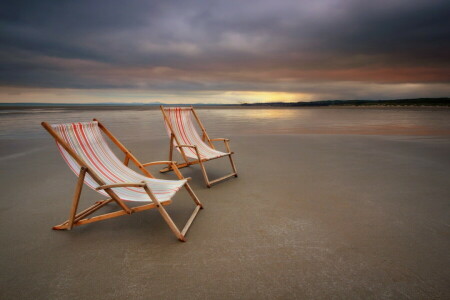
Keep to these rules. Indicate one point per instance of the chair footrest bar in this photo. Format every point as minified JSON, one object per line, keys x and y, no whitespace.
{"x":88,"y":211}
{"x":191,"y":219}
{"x":101,"y":217}
{"x":222,"y":178}
{"x":98,"y":205}
{"x":83,"y":213}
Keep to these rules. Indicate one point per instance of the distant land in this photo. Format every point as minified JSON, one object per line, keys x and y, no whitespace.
{"x":395,"y":102}
{"x":437,"y":102}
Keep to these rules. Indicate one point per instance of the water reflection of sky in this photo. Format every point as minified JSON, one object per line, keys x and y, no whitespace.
{"x":147,"y":124}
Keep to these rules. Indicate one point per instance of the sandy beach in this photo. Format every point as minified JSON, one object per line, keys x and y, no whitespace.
{"x":310,"y":216}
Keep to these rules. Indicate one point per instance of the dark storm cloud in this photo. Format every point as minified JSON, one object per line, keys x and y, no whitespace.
{"x":222,"y":45}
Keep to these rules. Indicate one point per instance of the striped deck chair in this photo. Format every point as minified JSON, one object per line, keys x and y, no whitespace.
{"x":184,"y":136}
{"x":88,"y":155}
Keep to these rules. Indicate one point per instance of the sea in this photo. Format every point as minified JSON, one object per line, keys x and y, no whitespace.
{"x":132,"y":124}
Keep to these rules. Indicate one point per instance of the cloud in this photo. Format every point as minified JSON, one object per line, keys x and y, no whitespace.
{"x":225,"y":46}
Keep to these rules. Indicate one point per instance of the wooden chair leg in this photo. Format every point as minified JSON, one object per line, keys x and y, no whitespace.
{"x":199,"y":206}
{"x":191,"y":219}
{"x":76,"y":197}
{"x":170,"y":222}
{"x":165,"y":215}
{"x":234,"y":173}
{"x":193,"y":196}
{"x":171,"y":148}
{"x":205,"y":175}
{"x":233,"y":166}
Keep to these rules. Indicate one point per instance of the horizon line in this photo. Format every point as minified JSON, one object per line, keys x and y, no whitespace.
{"x":215,"y":104}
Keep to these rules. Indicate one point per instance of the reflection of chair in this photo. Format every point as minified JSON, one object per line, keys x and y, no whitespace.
{"x":88,"y":155}
{"x":184,"y":136}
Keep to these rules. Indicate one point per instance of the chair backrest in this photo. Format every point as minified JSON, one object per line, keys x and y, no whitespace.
{"x":86,"y":140}
{"x":182,"y":126}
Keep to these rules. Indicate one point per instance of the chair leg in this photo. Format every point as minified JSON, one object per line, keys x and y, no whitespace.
{"x":170,"y":222}
{"x":165,"y":215}
{"x":233,"y":166}
{"x":191,"y":219}
{"x":209,"y":183}
{"x":76,"y":197}
{"x":205,"y":176}
{"x":199,"y":206}
{"x":171,"y":148}
{"x":192,"y":194}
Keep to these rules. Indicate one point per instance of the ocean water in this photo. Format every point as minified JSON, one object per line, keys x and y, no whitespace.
{"x":148,"y":124}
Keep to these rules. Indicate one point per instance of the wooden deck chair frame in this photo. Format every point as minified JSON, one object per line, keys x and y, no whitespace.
{"x":76,"y":219}
{"x":205,"y":138}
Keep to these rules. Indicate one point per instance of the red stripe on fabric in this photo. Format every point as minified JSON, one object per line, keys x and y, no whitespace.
{"x":203,"y":148}
{"x":64,"y":135}
{"x":180,"y":127}
{"x":93,"y":127}
{"x":86,"y":152}
{"x":82,"y":136}
{"x":113,"y":161}
{"x":183,"y":131}
{"x":178,"y":124}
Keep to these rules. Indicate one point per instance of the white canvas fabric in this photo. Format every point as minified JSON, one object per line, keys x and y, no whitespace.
{"x":183,"y":127}
{"x":87,"y":141}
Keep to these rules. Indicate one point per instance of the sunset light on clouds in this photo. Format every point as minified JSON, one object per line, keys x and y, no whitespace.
{"x":223,"y":51}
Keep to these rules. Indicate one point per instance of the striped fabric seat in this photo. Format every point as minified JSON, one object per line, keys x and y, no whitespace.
{"x":87,"y":141}
{"x":183,"y":127}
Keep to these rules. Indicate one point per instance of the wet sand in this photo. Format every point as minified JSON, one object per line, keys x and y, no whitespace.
{"x":310,"y":216}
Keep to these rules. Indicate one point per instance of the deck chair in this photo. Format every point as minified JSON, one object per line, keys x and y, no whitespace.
{"x":88,"y":155}
{"x":184,"y":136}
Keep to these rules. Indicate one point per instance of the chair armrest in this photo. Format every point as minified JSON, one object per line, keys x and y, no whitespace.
{"x":171,"y":164}
{"x":225,"y":141}
{"x":164,"y":162}
{"x":121,"y":184}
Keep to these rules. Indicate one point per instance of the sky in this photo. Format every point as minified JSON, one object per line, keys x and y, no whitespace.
{"x":223,"y":51}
